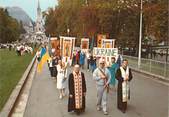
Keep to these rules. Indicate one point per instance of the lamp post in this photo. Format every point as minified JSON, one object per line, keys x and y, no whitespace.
{"x":140,"y":35}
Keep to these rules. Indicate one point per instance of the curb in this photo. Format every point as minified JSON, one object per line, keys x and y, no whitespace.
{"x":153,"y":76}
{"x":12,"y":101}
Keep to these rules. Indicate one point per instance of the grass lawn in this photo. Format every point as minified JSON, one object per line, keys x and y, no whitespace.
{"x":12,"y":68}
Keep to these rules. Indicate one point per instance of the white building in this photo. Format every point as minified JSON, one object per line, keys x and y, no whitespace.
{"x":39,"y":20}
{"x":39,"y":28}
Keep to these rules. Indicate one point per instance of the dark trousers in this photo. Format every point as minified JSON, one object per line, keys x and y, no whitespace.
{"x":88,"y":62}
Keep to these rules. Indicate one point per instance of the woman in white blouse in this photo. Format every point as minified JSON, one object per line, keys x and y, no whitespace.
{"x":61,"y":78}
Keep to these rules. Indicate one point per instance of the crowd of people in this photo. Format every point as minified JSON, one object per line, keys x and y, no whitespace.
{"x":114,"y":75}
{"x":82,"y":57}
{"x":20,"y":48}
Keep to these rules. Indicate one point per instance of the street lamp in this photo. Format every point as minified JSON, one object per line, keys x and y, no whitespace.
{"x":140,"y":35}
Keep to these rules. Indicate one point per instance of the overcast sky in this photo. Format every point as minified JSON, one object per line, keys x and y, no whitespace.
{"x":29,"y":6}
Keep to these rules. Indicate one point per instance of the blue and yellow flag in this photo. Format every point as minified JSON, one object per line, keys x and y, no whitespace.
{"x":44,"y":57}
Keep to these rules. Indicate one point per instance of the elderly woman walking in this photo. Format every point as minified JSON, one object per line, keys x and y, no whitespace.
{"x":61,"y":78}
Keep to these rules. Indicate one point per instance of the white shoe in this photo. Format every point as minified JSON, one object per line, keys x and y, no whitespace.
{"x":105,"y":113}
{"x":98,"y":109}
{"x":63,"y":94}
{"x":60,"y":96}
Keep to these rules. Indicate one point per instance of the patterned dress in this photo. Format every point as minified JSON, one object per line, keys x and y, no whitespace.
{"x":77,"y":88}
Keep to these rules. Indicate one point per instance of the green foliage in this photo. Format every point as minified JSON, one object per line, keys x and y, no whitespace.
{"x":9,"y":27}
{"x":156,"y":20}
{"x":117,"y":18}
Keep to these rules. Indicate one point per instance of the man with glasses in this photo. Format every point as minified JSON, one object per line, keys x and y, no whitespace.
{"x":102,"y":77}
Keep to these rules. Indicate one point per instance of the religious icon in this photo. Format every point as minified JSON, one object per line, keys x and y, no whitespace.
{"x":84,"y":45}
{"x":67,"y":48}
{"x":108,"y":45}
{"x":99,"y":40}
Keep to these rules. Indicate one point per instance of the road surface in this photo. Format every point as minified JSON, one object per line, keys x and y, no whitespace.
{"x":149,"y":98}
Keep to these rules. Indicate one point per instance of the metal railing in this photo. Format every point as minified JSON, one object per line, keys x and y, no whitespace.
{"x":149,"y":65}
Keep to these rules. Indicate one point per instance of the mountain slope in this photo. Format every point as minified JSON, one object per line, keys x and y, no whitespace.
{"x":20,"y":15}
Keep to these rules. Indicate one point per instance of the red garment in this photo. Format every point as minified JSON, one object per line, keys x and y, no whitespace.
{"x":77,"y":57}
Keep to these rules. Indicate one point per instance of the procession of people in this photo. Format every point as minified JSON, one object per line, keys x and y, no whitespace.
{"x":108,"y":76}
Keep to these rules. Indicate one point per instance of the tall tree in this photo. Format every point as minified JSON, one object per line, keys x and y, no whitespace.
{"x":9,"y":27}
{"x":118,"y":18}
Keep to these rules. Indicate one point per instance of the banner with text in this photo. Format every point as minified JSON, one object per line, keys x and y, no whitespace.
{"x":105,"y":53}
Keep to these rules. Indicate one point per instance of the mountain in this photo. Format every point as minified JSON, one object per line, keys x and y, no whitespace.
{"x":20,"y":15}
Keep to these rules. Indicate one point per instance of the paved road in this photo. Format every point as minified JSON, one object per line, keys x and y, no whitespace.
{"x":148,"y":99}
